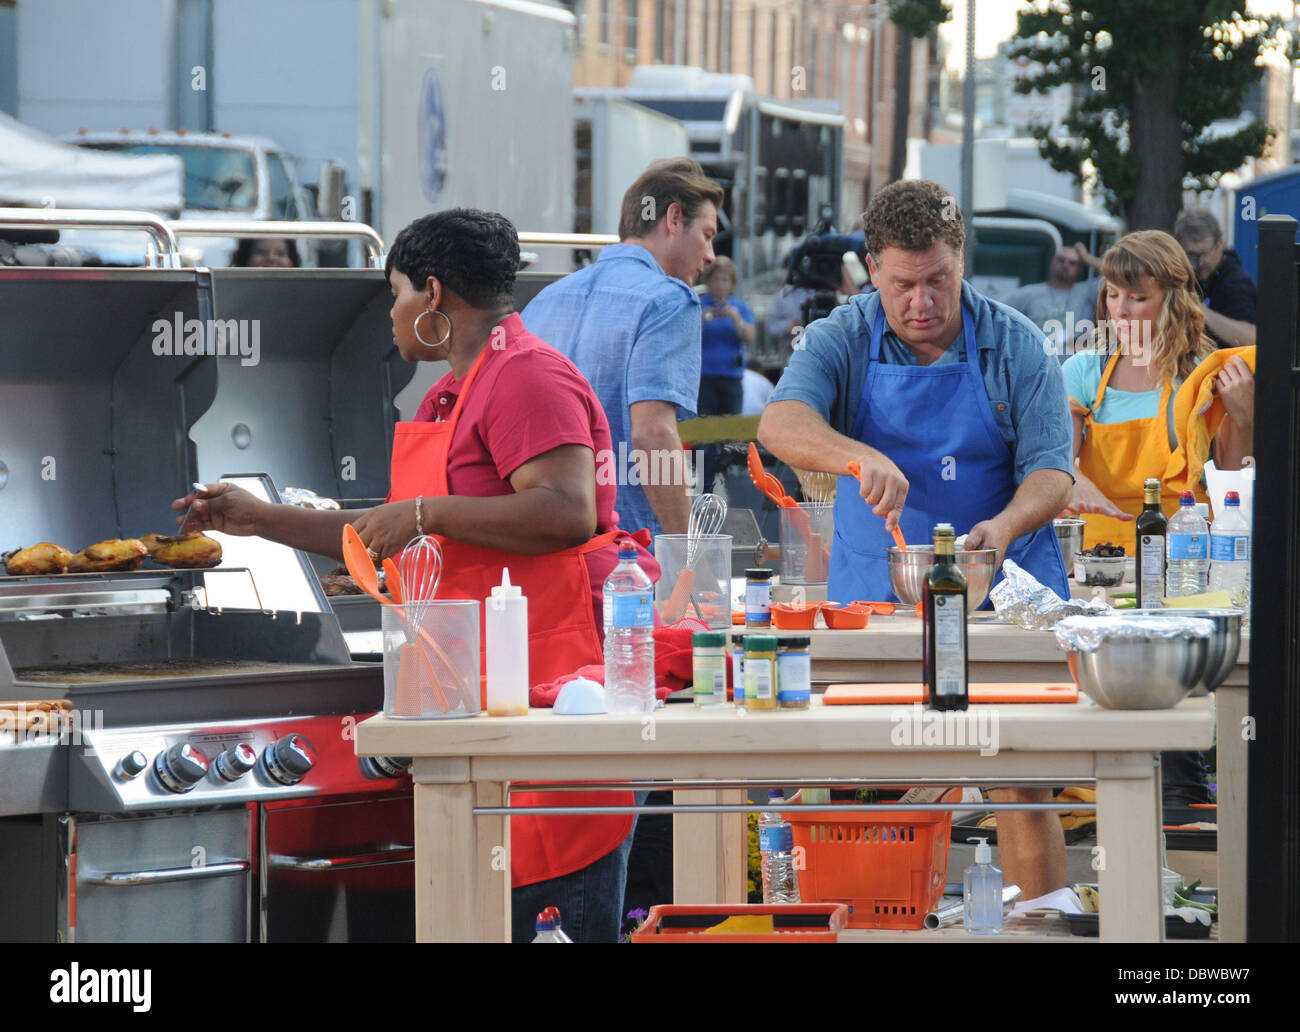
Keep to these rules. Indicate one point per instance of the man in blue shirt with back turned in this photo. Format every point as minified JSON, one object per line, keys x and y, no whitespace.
{"x":631,"y":323}
{"x":949,"y":404}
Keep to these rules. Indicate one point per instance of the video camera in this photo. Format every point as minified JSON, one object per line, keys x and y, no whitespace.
{"x":817,"y":264}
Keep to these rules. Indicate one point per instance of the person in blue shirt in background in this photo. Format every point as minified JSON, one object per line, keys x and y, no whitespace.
{"x":728,"y":326}
{"x":631,"y":324}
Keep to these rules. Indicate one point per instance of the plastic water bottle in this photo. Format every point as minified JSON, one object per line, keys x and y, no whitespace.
{"x":548,"y":927}
{"x":1230,"y":552}
{"x":1187,"y":571}
{"x":629,"y":637}
{"x":776,"y":847}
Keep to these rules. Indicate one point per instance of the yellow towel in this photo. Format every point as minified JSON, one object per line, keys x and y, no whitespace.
{"x":1197,"y":415}
{"x":1078,"y":819}
{"x":742,"y":924}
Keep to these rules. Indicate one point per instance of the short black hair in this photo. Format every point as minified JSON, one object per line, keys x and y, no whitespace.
{"x":474,"y":254}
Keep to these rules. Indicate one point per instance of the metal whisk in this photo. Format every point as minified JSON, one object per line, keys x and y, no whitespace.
{"x":420,"y":565}
{"x":708,"y":514}
{"x":818,"y":488}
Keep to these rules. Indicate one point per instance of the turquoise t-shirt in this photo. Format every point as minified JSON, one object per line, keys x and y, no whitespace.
{"x":1082,"y":374}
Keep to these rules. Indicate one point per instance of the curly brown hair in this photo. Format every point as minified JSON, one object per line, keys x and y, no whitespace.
{"x":912,"y":214}
{"x":1179,"y":342}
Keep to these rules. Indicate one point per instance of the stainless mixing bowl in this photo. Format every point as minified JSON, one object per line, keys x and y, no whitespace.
{"x":1225,"y":642}
{"x":1152,"y":672}
{"x":908,"y":571}
{"x":1069,"y":537}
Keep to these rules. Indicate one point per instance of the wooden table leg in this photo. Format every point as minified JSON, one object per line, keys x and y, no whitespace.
{"x":1231,"y":745}
{"x":446,"y":852}
{"x":492,"y":839}
{"x":698,"y":850}
{"x":1128,"y":834}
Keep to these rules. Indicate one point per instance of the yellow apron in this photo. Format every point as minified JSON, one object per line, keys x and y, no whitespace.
{"x":1118,"y":458}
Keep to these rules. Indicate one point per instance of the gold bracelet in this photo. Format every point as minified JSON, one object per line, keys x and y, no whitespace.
{"x":419,"y":515}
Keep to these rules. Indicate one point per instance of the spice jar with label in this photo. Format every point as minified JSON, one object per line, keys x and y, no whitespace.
{"x":758,"y":598}
{"x":760,"y":672}
{"x":794,"y":673}
{"x":709,"y":657}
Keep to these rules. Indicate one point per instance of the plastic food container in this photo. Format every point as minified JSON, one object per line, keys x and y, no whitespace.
{"x":436,"y":674}
{"x":1099,"y":571}
{"x":807,"y":531}
{"x":711,"y":585}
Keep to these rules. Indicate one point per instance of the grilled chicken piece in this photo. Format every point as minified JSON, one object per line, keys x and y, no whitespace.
{"x":153,"y":542}
{"x":186,"y":551}
{"x":115,"y":554}
{"x":339,"y":584}
{"x":43,"y":558}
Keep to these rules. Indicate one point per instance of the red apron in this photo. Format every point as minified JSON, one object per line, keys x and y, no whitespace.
{"x":562,"y":637}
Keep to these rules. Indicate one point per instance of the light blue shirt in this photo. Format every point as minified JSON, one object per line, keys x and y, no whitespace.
{"x":634,"y":333}
{"x":1026,"y":393}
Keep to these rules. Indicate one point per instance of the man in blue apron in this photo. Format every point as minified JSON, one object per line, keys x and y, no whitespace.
{"x":955,"y":412}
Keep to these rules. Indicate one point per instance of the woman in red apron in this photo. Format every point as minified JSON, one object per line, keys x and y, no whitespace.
{"x":501,"y":465}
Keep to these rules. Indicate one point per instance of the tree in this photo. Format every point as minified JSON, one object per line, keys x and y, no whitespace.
{"x":1154,"y":75}
{"x":914,"y":19}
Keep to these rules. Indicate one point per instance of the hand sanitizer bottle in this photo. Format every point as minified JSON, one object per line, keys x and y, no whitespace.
{"x":982,"y":892}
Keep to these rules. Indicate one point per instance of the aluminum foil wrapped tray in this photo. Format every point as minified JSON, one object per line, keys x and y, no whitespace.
{"x":1088,"y":633}
{"x":1020,"y":599}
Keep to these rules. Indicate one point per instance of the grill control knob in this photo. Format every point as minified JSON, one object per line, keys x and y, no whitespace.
{"x":289,"y":759}
{"x":180,"y":768}
{"x":235,"y":762}
{"x":379,"y":767}
{"x":131,"y":765}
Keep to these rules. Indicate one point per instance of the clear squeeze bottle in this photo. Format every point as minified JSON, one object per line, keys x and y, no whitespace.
{"x":507,"y":650}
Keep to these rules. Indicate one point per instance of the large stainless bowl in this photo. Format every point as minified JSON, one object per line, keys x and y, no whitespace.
{"x":1225,"y":642}
{"x":1069,"y":537}
{"x":1140,"y":673}
{"x":908,"y":571}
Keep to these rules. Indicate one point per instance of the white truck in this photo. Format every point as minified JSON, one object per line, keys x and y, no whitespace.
{"x":422,"y":104}
{"x":226,"y":177}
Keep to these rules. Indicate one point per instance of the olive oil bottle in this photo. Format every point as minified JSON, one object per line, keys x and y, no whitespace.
{"x":945,"y":663}
{"x":1150,"y":531}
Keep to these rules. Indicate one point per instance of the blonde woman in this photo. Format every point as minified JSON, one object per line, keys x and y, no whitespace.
{"x":1149,"y":339}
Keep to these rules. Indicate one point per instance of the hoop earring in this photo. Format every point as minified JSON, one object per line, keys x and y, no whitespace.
{"x":445,"y":337}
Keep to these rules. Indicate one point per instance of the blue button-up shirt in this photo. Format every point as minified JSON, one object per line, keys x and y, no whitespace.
{"x":1026,"y":393}
{"x":634,"y":333}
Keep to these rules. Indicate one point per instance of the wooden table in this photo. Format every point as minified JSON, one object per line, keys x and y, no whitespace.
{"x":462,"y":861}
{"x":889,"y":649}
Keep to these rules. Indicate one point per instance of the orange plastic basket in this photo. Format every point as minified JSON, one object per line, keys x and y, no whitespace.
{"x":888,"y":868}
{"x":795,"y":922}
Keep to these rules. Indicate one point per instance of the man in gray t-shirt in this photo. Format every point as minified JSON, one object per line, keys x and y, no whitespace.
{"x":1058,"y":306}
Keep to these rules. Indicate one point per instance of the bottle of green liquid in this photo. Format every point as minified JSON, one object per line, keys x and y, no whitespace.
{"x":944,"y":659}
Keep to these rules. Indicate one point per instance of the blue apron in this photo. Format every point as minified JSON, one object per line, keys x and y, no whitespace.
{"x":935,"y":424}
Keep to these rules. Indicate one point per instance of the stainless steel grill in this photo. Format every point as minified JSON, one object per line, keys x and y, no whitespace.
{"x":204,"y":785}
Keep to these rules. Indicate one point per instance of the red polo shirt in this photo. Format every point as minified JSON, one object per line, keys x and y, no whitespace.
{"x":527,"y":400}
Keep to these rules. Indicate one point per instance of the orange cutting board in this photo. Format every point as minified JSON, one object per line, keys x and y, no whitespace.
{"x":893,"y":694}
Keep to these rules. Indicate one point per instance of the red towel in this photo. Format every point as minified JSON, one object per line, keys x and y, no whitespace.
{"x":673,"y":665}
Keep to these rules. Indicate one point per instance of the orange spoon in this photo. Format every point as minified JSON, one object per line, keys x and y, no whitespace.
{"x":856,"y":471}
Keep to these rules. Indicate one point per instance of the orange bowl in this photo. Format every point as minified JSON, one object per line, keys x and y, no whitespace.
{"x":852,"y":617}
{"x":801,"y":616}
{"x":879,"y":608}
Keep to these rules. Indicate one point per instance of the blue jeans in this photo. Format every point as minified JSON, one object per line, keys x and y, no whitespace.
{"x":590,"y":899}
{"x":719,"y":396}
